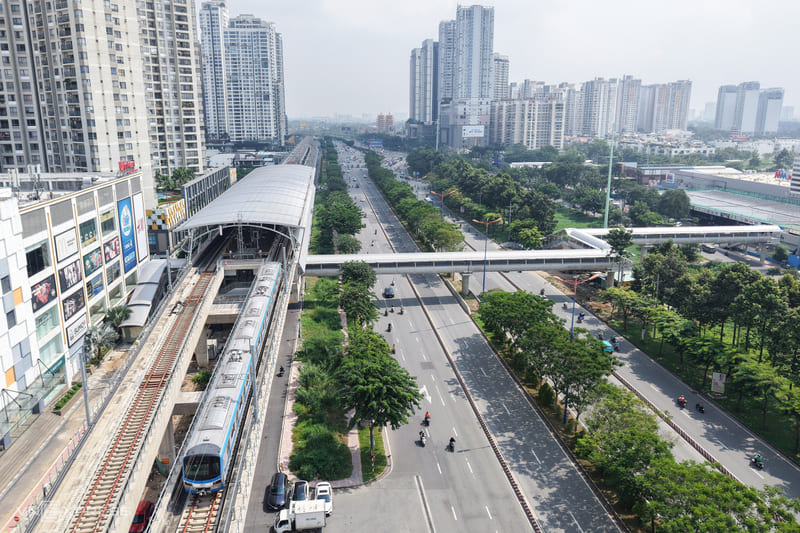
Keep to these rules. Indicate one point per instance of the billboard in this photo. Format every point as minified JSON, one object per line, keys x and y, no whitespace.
{"x":43,"y":292}
{"x":111,"y":249}
{"x":72,"y":304}
{"x":471,"y":131}
{"x":140,"y":222}
{"x":66,"y":244}
{"x":92,"y":262}
{"x":126,"y":233}
{"x":70,"y":275}
{"x":75,"y":331}
{"x":95,"y":286}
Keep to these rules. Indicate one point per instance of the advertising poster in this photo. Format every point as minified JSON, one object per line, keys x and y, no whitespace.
{"x":43,"y":292}
{"x":126,"y":234}
{"x":471,"y":131}
{"x":72,"y":304}
{"x":718,"y":382}
{"x":70,"y":275}
{"x":88,"y":231}
{"x":66,"y":244}
{"x":92,"y":262}
{"x":111,"y":249}
{"x":141,"y":226}
{"x":95,"y":286}
{"x":75,"y":331}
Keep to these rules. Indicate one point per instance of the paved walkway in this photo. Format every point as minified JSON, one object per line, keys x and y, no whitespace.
{"x":36,"y":455}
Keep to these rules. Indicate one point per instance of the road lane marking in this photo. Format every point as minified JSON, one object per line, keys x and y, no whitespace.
{"x":536,"y":456}
{"x":402,"y":355}
{"x":576,"y":522}
{"x":487,"y":512}
{"x":439,"y":467}
{"x":423,"y":500}
{"x":506,"y":408}
{"x":470,"y":467}
{"x":454,"y":513}
{"x":439,"y":393}
{"x":424,"y":391}
{"x":455,"y":433}
{"x":759,"y":475}
{"x":484,"y":372}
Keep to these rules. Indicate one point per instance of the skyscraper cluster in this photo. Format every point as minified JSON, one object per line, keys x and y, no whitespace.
{"x":76,"y":95}
{"x":243,"y":77}
{"x":460,"y":85}
{"x":746,"y":108}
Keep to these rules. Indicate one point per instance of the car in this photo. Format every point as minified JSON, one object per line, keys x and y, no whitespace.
{"x":278,"y":492}
{"x":141,"y":519}
{"x":388,"y":292}
{"x":300,"y":492}
{"x":323,"y":492}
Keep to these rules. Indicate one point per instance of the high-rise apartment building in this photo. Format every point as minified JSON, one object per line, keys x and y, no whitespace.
{"x":172,"y":84}
{"x":535,"y":122}
{"x":423,"y":91}
{"x":628,"y":104}
{"x":213,"y":22}
{"x":500,"y":77}
{"x":474,"y":57}
{"x":770,"y":102}
{"x":247,"y":101}
{"x":599,"y":107}
{"x":747,"y":95}
{"x":385,"y":123}
{"x":726,"y":108}
{"x":664,"y":106}
{"x":446,"y":60}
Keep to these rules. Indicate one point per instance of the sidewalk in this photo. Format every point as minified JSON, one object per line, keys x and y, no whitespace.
{"x":32,"y":462}
{"x":287,"y":429}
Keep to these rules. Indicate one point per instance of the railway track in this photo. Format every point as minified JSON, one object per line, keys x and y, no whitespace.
{"x":99,"y":502}
{"x":200,"y":514}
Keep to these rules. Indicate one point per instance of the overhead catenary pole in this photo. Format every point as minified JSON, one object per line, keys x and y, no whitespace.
{"x":608,"y":185}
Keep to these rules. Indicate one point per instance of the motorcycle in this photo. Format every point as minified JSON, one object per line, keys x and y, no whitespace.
{"x":564,"y":306}
{"x":700,"y":407}
{"x":280,"y":372}
{"x":401,"y":311}
{"x":451,"y":446}
{"x":757,"y":462}
{"x":389,"y":327}
{"x":681,"y":402}
{"x":427,"y":421}
{"x":422,"y":439}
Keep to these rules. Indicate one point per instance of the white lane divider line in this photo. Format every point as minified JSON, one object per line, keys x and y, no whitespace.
{"x":440,"y":394}
{"x":484,"y":373}
{"x":470,"y":468}
{"x":506,"y":408}
{"x":576,"y":522}
{"x":439,"y":467}
{"x":489,"y":513}
{"x":536,"y":456}
{"x":454,"y":513}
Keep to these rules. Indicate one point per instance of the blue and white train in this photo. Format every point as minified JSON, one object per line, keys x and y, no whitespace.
{"x":209,"y":451}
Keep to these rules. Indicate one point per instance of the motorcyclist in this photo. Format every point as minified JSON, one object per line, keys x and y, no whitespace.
{"x":280,"y":370}
{"x":427,"y":415}
{"x":681,"y":400}
{"x":541,"y":292}
{"x":757,"y":458}
{"x":421,"y":434}
{"x":390,"y":327}
{"x":452,"y":443}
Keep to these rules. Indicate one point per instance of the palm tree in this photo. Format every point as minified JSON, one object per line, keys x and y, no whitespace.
{"x":117,"y":315}
{"x":98,"y":337}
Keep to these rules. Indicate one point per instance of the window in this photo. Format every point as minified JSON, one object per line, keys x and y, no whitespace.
{"x":46,"y":322}
{"x":11,"y":319}
{"x":38,"y":258}
{"x":5,"y":284}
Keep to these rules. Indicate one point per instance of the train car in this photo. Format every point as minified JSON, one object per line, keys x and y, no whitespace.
{"x":209,"y":450}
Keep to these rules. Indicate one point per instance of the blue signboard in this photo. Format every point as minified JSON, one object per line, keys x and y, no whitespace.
{"x":126,"y":233}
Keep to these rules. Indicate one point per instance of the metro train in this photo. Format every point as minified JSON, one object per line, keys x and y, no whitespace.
{"x":208,"y":454}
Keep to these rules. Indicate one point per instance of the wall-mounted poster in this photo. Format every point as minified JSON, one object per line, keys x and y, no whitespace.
{"x":95,"y":286}
{"x":75,"y":331}
{"x":72,"y":304}
{"x":111,"y":249}
{"x":70,"y":275}
{"x":88,"y":230}
{"x":66,"y":244}
{"x":141,"y":226}
{"x":126,"y":233}
{"x":43,"y":292}
{"x":92,"y":262}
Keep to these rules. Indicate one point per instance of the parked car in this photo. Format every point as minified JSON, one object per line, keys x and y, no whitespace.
{"x":300,"y":492}
{"x":323,"y":492}
{"x":141,"y":519}
{"x":278,"y":492}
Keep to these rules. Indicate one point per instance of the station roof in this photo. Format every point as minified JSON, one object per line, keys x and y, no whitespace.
{"x":274,"y":195}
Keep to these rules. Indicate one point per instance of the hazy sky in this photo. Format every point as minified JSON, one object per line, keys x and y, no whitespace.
{"x":352,"y":56}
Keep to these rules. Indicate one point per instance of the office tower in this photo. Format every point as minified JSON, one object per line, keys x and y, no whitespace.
{"x":172,"y":83}
{"x":787,"y":113}
{"x":474,"y":54}
{"x":422,"y":90}
{"x":253,"y":81}
{"x":770,"y":102}
{"x":87,"y":81}
{"x":500,"y":77}
{"x":709,"y":111}
{"x":726,"y":108}
{"x":535,"y":122}
{"x":628,"y":104}
{"x":213,"y":22}
{"x":747,"y":95}
{"x":447,"y":60}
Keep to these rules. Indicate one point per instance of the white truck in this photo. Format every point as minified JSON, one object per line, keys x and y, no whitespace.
{"x":305,"y":515}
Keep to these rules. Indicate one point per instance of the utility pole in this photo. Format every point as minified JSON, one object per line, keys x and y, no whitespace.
{"x":610,"y":166}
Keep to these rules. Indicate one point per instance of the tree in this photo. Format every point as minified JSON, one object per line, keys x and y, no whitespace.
{"x":780,"y":253}
{"x":674,"y":203}
{"x":358,"y":272}
{"x":182,"y":175}
{"x":619,"y":239}
{"x":98,"y":337}
{"x":347,"y":244}
{"x":758,"y":380}
{"x":358,"y":303}
{"x":641,"y":215}
{"x":117,"y":315}
{"x":783,"y":160}
{"x":374,"y":385}
{"x":623,"y":301}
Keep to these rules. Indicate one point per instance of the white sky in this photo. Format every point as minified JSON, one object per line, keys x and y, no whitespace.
{"x":352,"y":56}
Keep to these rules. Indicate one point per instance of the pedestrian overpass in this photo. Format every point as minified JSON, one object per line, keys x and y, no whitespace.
{"x":587,"y":251}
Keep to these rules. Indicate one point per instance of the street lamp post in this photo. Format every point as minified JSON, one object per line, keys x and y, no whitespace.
{"x":83,"y":359}
{"x":486,"y":246}
{"x":441,"y":195}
